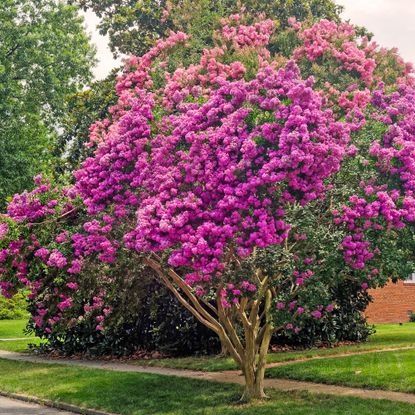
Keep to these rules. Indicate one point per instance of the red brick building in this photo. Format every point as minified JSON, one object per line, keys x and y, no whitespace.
{"x":392,"y":303}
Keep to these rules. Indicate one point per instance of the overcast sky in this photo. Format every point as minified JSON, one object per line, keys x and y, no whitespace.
{"x":392,"y":22}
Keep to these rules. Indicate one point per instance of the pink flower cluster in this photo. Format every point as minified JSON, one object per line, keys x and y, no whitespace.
{"x":231,"y":294}
{"x":28,"y":206}
{"x":5,"y":286}
{"x":194,"y":81}
{"x":56,"y":259}
{"x":390,"y":205}
{"x":115,"y":172}
{"x":137,"y":70}
{"x":295,"y":313}
{"x":256,"y":35}
{"x":327,"y":38}
{"x":4,"y":229}
{"x":215,"y":177}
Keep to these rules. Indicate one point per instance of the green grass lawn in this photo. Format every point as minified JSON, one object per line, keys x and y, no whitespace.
{"x":15,"y":329}
{"x":12,"y":328}
{"x":144,"y":394}
{"x":384,"y":370}
{"x":386,"y":336}
{"x":21,"y":346}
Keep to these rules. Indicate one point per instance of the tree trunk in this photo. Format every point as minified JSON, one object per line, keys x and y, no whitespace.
{"x":254,"y":386}
{"x":253,"y":314}
{"x":254,"y":365}
{"x":224,"y":351}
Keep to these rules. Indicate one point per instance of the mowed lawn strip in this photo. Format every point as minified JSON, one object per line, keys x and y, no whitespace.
{"x":386,"y":336}
{"x":393,"y":371}
{"x":20,"y":346}
{"x":12,"y":329}
{"x":144,"y":394}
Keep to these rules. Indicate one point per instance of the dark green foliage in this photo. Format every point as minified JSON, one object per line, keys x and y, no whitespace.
{"x":158,"y":323}
{"x":345,"y":323}
{"x":166,"y":326}
{"x":155,"y":321}
{"x":83,"y":109}
{"x":132,"y":25}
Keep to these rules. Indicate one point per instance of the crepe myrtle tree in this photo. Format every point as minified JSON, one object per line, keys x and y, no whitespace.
{"x":212,"y":201}
{"x":208,"y":171}
{"x":205,"y":175}
{"x":211,"y":160}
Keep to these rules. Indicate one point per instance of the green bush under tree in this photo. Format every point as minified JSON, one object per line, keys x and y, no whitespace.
{"x":14,"y":308}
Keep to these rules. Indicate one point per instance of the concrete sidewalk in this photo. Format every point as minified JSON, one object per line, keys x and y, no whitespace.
{"x":13,"y":407}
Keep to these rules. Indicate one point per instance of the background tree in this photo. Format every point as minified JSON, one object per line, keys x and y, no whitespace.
{"x":82,"y":109}
{"x":44,"y":56}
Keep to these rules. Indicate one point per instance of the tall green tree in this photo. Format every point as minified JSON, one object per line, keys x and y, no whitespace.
{"x":83,"y":109}
{"x":133,"y":26}
{"x":45,"y":55}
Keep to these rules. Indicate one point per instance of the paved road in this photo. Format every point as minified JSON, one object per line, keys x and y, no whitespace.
{"x":13,"y":407}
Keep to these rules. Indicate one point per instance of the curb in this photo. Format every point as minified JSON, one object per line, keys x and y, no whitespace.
{"x":53,"y":404}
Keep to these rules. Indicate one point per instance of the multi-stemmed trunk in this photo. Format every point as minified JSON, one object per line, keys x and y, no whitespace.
{"x":254,"y":367}
{"x":251,"y":315}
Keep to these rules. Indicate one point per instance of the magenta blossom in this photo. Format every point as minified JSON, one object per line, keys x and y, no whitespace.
{"x":72,"y":285}
{"x":56,"y":259}
{"x":316,"y":314}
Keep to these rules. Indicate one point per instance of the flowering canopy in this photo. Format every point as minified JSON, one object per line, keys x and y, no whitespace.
{"x":233,"y":180}
{"x":213,"y":178}
{"x":203,"y":159}
{"x":386,"y":202}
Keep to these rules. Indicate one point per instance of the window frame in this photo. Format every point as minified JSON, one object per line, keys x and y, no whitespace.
{"x":410,"y":279}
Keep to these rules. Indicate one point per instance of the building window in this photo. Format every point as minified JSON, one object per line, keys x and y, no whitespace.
{"x":410,"y":279}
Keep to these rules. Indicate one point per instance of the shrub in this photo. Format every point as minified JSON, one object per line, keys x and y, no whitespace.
{"x":156,"y":323}
{"x":346,"y":323}
{"x":14,"y":308}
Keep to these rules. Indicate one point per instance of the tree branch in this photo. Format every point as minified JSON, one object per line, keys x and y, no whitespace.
{"x":196,"y":309}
